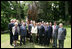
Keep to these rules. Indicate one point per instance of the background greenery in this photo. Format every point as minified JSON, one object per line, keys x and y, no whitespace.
{"x":59,"y":11}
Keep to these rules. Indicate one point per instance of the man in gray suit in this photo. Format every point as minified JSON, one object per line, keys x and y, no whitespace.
{"x":23,"y":33}
{"x":54,"y":34}
{"x":61,"y":35}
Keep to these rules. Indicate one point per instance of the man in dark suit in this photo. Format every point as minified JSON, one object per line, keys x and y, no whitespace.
{"x":61,"y":35}
{"x":48,"y":33}
{"x":51,"y":32}
{"x":23,"y":33}
{"x":37,"y":32}
{"x":45,"y":34}
{"x":41,"y":33}
{"x":10,"y":25}
{"x":29,"y":30}
{"x":54,"y":34}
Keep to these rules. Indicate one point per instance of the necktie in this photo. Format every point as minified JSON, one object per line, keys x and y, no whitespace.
{"x":54,"y":27}
{"x":16,"y":29}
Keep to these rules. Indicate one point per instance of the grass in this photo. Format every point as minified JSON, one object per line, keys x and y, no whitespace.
{"x":5,"y":41}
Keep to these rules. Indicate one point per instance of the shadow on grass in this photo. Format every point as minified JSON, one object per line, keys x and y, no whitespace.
{"x":28,"y":45}
{"x":5,"y":32}
{"x":33,"y":45}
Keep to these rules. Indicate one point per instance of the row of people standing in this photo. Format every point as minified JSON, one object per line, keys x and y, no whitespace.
{"x":40,"y":32}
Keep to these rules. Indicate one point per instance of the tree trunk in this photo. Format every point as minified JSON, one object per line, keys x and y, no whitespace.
{"x":66,"y":10}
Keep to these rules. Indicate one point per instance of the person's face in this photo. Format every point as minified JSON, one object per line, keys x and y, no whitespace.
{"x":15,"y":21}
{"x":44,"y":24}
{"x":16,"y":25}
{"x":24,"y":24}
{"x":50,"y":23}
{"x":39,"y":24}
{"x":54,"y":23}
{"x":34,"y":24}
{"x":60,"y":26}
{"x":12,"y":21}
{"x":21,"y":21}
{"x":27,"y":22}
{"x":31,"y":22}
{"x":47,"y":24}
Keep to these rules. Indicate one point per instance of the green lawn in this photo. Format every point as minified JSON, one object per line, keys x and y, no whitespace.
{"x":5,"y":41}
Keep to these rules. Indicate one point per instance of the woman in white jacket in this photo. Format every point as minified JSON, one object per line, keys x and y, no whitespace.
{"x":34,"y":32}
{"x":15,"y":31}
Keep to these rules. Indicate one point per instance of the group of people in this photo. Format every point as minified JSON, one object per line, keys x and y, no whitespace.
{"x":38,"y":32}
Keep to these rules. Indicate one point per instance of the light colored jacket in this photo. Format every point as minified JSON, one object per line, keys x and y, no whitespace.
{"x":55,"y":31}
{"x":34,"y":29}
{"x":61,"y":33}
{"x":13,"y":30}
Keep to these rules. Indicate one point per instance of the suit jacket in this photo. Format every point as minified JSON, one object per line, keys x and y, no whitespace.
{"x":46,"y":31}
{"x":30,"y":27}
{"x":10,"y":25}
{"x":61,"y":33}
{"x":13,"y":30}
{"x":49,"y":32}
{"x":41,"y":30}
{"x":23,"y":31}
{"x":34,"y":29}
{"x":55,"y":32}
{"x":19,"y":24}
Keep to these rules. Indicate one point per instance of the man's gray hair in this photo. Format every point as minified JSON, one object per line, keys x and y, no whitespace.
{"x":61,"y":24}
{"x":16,"y":23}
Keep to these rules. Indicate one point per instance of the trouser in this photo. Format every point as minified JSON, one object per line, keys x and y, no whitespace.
{"x":22,"y":37}
{"x":48,"y":41}
{"x":11,"y":38}
{"x":51,"y":39}
{"x":30,"y":36}
{"x":45,"y":40}
{"x":61,"y":43}
{"x":55,"y":42}
{"x":37,"y":39}
{"x":41,"y":39}
{"x":34,"y":37}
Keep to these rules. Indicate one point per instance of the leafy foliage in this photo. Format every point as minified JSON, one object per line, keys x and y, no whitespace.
{"x":59,"y":11}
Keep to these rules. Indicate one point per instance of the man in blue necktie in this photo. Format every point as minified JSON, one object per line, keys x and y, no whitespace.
{"x":23,"y":33}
